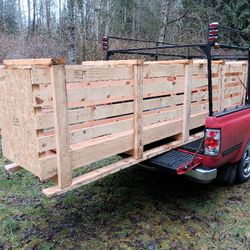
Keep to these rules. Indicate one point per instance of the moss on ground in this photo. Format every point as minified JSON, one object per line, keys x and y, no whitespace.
{"x":134,"y":209}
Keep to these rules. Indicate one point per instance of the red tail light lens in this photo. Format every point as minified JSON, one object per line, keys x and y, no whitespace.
{"x":214,"y":25}
{"x":213,"y":32}
{"x":212,"y":142}
{"x":213,"y":38}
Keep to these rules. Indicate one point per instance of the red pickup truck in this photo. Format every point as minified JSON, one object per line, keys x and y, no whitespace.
{"x":224,"y":152}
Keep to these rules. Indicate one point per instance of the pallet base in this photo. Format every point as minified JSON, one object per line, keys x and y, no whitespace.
{"x":116,"y":167}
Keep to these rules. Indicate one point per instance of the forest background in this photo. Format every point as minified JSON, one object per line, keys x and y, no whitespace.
{"x":74,"y":28}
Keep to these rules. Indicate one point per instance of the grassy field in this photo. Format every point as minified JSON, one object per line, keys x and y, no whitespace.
{"x":134,"y":209}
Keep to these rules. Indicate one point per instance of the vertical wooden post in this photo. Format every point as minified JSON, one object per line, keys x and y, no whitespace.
{"x":60,"y":105}
{"x":221,"y":86}
{"x":244,"y":80}
{"x":138,"y":109}
{"x":187,"y":100}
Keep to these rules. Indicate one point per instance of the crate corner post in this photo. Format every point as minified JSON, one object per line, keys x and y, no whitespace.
{"x":138,"y":109}
{"x":187,"y":101}
{"x":60,"y":108}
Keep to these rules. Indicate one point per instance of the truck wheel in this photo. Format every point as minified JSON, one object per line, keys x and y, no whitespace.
{"x":227,"y":174}
{"x":243,"y":172}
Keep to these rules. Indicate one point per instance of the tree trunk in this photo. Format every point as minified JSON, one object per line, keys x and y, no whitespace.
{"x":34,"y":17}
{"x":48,"y":17}
{"x":29,"y":17}
{"x":96,"y":18}
{"x":165,"y":14}
{"x":20,"y":21}
{"x":60,"y":12}
{"x":71,"y":32}
{"x":107,"y":23}
{"x":1,"y":16}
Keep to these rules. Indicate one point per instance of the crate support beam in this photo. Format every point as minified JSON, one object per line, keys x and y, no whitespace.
{"x":221,"y":85}
{"x":60,"y":103}
{"x":138,"y":109}
{"x":187,"y":100}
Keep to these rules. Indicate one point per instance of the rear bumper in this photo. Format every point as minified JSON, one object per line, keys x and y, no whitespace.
{"x":201,"y":175}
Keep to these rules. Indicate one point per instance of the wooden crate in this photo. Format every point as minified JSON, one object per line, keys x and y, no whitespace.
{"x":57,"y":118}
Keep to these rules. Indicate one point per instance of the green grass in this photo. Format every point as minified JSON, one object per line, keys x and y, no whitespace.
{"x":134,"y":209}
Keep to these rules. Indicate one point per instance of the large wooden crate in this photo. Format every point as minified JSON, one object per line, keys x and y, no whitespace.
{"x":57,"y":118}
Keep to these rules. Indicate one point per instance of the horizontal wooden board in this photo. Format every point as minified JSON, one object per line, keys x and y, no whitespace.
{"x":80,"y":97}
{"x":112,"y":63}
{"x":25,"y":62}
{"x":76,"y":73}
{"x":162,"y":70}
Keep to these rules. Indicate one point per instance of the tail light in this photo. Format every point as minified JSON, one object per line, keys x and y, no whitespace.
{"x":213,"y":32}
{"x":212,"y":142}
{"x":105,"y":43}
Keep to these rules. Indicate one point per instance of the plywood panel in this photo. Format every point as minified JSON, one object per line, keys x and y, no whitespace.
{"x":19,"y":131}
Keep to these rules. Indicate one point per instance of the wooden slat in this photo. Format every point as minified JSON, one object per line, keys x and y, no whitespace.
{"x":64,"y":170}
{"x":232,"y":101}
{"x":166,"y":62}
{"x":113,"y":168}
{"x":25,"y":62}
{"x":162,"y":70}
{"x":112,"y":63}
{"x":138,"y":110}
{"x":78,"y":73}
{"x":80,"y":97}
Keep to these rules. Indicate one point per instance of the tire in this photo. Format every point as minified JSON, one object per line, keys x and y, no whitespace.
{"x":243,"y":171}
{"x":227,"y":175}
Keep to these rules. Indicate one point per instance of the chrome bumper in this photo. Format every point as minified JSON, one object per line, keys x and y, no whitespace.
{"x":201,"y":175}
